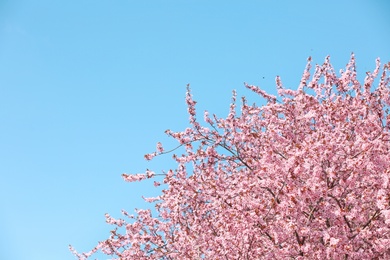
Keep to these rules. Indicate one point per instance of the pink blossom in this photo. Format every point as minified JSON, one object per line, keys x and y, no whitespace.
{"x":304,"y":178}
{"x":160,"y":148}
{"x":149,"y":156}
{"x":133,"y":177}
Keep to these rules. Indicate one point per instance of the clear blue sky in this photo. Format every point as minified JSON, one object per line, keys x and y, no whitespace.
{"x":88,"y":87}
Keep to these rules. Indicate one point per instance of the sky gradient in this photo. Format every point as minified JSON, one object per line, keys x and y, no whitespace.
{"x":88,"y":87}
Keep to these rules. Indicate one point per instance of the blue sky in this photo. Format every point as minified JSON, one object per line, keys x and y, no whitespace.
{"x":88,"y":87}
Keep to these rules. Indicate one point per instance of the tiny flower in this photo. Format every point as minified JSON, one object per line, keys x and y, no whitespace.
{"x":160,"y":149}
{"x":333,"y":241}
{"x":149,"y":156}
{"x":133,"y":177}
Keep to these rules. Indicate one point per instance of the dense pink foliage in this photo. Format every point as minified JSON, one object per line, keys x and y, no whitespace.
{"x":305,"y":176}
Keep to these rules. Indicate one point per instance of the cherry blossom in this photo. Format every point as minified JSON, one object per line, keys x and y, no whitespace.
{"x":305,"y":176}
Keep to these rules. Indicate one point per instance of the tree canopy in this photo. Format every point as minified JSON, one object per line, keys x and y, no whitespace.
{"x":305,"y":175}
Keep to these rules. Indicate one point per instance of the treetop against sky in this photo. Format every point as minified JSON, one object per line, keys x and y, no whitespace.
{"x":305,"y":175}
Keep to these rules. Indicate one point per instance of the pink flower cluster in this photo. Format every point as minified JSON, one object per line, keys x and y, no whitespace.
{"x":304,"y":177}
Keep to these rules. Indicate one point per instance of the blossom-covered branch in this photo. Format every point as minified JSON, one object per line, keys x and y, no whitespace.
{"x":306,"y":176}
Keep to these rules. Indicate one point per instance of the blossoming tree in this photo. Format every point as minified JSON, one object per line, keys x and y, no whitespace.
{"x":304,"y":176}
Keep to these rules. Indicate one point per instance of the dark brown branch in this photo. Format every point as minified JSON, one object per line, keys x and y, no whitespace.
{"x":342,"y":209}
{"x":348,"y":224}
{"x":301,"y":241}
{"x":377,"y":212}
{"x":273,"y":194}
